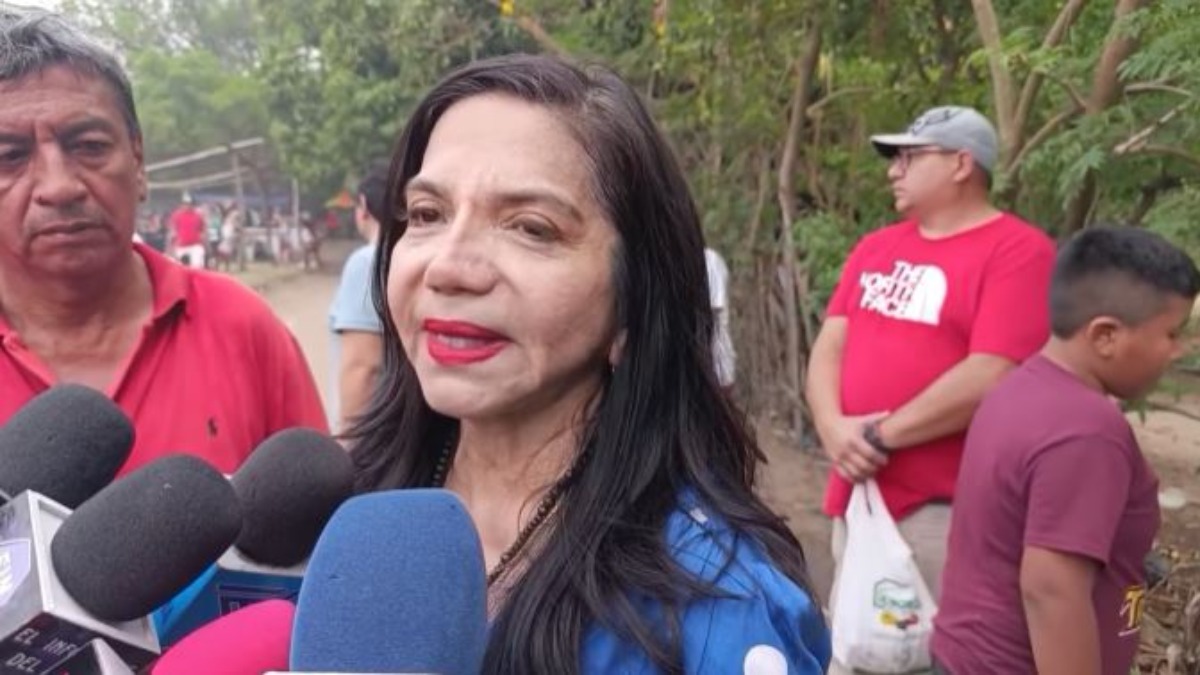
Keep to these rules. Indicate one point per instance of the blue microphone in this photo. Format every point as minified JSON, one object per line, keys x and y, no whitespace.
{"x":396,"y":584}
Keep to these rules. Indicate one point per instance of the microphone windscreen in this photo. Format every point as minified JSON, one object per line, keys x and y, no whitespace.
{"x":66,"y":443}
{"x":289,"y":488}
{"x":142,"y":539}
{"x":250,"y":641}
{"x":396,"y":584}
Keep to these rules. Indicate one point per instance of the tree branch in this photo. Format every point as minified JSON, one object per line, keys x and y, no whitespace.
{"x":1054,"y":37}
{"x":1168,"y":150}
{"x":805,"y":67}
{"x":1002,"y":84}
{"x":760,"y":200}
{"x":1042,"y":134}
{"x":1161,"y":87}
{"x":1072,"y":91}
{"x":1136,"y":141}
{"x":1150,"y":193}
{"x":1106,"y":89}
{"x":832,"y":96}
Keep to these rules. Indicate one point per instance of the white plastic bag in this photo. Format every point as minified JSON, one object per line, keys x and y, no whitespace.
{"x":882,"y":609}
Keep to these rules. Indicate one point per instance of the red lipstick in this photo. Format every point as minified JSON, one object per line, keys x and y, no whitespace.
{"x":456,"y":343}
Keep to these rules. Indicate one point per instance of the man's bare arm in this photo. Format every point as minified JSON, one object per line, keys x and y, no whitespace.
{"x":946,"y":406}
{"x":823,"y":388}
{"x":841,"y":436}
{"x":361,"y":363}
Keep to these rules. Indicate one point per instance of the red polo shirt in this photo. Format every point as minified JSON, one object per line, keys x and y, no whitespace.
{"x":213,"y":373}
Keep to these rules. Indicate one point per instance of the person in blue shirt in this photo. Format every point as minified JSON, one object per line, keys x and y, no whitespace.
{"x":356,"y":346}
{"x":547,"y":357}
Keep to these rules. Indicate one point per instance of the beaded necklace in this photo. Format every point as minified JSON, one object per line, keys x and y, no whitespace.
{"x":544,"y":509}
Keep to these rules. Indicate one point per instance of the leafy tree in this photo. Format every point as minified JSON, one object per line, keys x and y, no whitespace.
{"x":769,"y":104}
{"x":191,"y":63}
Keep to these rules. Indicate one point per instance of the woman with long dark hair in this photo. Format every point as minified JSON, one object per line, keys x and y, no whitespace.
{"x":542,"y":283}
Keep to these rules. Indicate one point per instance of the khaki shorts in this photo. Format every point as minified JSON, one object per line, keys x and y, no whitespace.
{"x":926,"y":531}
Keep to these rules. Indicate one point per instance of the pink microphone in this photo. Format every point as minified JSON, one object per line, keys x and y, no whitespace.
{"x":253,"y":640}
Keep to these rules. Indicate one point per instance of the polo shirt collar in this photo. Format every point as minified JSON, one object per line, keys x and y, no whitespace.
{"x":169,"y":279}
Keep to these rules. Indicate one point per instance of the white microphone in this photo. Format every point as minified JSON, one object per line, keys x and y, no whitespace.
{"x":96,"y":658}
{"x":40,"y":623}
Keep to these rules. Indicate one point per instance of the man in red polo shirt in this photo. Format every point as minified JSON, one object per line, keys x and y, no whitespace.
{"x":928,"y":315}
{"x":197,"y":361}
{"x":187,"y":227}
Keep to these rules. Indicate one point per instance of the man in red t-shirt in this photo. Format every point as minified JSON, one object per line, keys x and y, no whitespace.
{"x":929,"y":313}
{"x":187,"y":227}
{"x":1058,"y":508}
{"x":197,"y":361}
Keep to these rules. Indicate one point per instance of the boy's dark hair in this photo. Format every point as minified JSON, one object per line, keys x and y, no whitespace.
{"x":373,"y":189}
{"x":1123,"y":272}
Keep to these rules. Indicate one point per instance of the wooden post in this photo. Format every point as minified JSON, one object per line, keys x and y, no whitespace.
{"x":240,"y":200}
{"x":295,"y":201}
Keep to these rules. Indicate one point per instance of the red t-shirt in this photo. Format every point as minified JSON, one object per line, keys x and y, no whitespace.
{"x":189,"y":226}
{"x":1051,"y":463}
{"x":213,"y":374}
{"x":915,"y":307}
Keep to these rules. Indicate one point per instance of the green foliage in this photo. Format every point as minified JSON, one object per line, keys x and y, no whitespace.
{"x":342,"y":77}
{"x":190,"y":101}
{"x":190,"y":62}
{"x":333,"y":82}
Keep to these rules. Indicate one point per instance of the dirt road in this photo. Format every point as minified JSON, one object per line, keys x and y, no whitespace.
{"x":302,"y":302}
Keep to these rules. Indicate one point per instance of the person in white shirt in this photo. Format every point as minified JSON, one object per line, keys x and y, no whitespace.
{"x":724,"y":356}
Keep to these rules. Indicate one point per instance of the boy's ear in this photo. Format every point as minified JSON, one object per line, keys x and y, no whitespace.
{"x":1102,"y":333}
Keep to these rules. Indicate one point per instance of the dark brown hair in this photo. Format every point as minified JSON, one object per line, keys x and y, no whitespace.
{"x":661,"y":424}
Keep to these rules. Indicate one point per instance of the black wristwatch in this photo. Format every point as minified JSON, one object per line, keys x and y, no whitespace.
{"x":873,"y":439}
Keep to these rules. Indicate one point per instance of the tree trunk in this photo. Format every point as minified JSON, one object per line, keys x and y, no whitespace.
{"x":1012,"y":113}
{"x":878,"y":28}
{"x":792,"y":268}
{"x":1106,"y":89}
{"x":1033,"y":83}
{"x":1002,"y":84}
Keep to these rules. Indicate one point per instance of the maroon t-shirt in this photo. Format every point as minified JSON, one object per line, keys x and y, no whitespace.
{"x":1052,"y":463}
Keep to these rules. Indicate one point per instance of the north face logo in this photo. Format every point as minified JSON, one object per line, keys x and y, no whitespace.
{"x":909,"y":293}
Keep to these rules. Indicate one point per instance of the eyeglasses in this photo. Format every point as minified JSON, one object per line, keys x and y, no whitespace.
{"x":904,"y":158}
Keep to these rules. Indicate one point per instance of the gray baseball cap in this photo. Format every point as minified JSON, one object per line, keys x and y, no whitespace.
{"x":951,"y":127}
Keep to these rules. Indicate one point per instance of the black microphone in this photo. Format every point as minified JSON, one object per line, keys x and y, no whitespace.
{"x":65,"y":443}
{"x":143,"y":538}
{"x":288,"y":488}
{"x":68,"y":578}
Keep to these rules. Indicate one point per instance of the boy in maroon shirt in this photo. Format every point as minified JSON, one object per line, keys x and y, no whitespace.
{"x":1057,"y":508}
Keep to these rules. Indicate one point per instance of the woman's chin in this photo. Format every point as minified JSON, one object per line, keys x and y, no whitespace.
{"x":457,"y":402}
